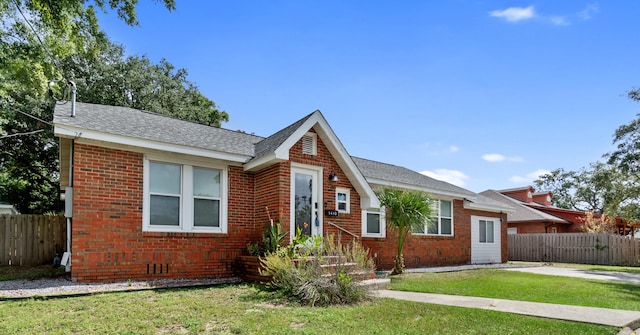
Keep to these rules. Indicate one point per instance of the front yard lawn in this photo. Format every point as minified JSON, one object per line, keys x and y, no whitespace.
{"x":243,"y":309}
{"x":493,"y":283}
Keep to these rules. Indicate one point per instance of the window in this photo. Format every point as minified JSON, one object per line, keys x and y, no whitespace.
{"x":486,"y":231}
{"x":512,"y":231}
{"x":373,"y":223}
{"x":309,"y":144}
{"x":343,"y":196}
{"x":441,"y":222}
{"x":184,"y":197}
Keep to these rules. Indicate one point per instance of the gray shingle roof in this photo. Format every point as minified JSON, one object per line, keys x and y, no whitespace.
{"x":150,"y":126}
{"x":522,"y":211}
{"x":271,"y":143}
{"x":399,"y":174}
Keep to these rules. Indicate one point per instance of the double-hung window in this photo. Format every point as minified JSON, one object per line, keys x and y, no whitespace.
{"x":181,"y":197}
{"x":441,"y":220}
{"x":343,"y":200}
{"x":486,"y":231}
{"x":373,"y":223}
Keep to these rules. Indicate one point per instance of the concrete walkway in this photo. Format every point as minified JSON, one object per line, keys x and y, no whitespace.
{"x":626,"y":277}
{"x":602,"y":316}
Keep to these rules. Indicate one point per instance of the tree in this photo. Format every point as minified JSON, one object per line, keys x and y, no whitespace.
{"x":406,"y":211}
{"x":43,"y":41}
{"x":602,"y":189}
{"x":627,"y":141}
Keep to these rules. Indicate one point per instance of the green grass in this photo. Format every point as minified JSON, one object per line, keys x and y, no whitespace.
{"x":492,"y":283}
{"x":242,"y":309}
{"x":30,"y":272}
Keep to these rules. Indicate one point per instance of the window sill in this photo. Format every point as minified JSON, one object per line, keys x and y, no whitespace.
{"x":183,"y":234}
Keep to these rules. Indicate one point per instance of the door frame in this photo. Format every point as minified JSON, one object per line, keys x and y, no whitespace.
{"x":316,"y":172}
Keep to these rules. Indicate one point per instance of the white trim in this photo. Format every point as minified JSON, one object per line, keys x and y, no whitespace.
{"x":489,"y":208}
{"x":347,"y":192}
{"x":186,"y":197}
{"x":512,"y":231}
{"x":76,"y":133}
{"x":383,"y":222}
{"x":431,"y":191}
{"x":437,"y":205}
{"x":317,"y":187}
{"x":368,"y":198}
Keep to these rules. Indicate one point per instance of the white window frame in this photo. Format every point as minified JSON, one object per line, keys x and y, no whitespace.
{"x":512,"y":231}
{"x":347,"y":202}
{"x":486,"y":235}
{"x":438,"y":216}
{"x":186,"y":196}
{"x":383,"y":226}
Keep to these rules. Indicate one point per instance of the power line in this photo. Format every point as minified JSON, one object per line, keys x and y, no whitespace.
{"x":21,"y":134}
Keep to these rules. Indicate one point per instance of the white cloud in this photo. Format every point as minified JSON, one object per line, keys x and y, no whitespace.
{"x":558,"y":21}
{"x":453,"y":148}
{"x":450,"y":176}
{"x":501,"y":158}
{"x":514,"y":14}
{"x":587,"y":12}
{"x":529,"y":177}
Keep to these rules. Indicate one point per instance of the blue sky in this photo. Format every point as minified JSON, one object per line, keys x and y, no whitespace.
{"x":483,"y":94}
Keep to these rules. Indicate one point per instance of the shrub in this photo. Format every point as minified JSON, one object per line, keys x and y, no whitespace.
{"x":319,"y":272}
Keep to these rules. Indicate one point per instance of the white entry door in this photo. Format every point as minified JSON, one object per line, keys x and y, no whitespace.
{"x":306,"y":186}
{"x":486,"y":246}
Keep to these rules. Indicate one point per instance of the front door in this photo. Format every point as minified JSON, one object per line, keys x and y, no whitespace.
{"x":304,"y":201}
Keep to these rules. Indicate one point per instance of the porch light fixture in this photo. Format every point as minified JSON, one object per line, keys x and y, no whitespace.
{"x":333,"y":176}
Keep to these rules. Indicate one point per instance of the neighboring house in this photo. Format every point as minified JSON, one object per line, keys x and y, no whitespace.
{"x":7,"y":209}
{"x":156,"y":197}
{"x":534,"y":213}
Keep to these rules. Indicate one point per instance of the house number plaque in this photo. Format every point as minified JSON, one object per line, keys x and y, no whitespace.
{"x":328,"y":212}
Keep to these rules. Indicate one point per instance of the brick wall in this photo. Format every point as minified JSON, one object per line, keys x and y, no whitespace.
{"x":539,"y":227}
{"x":423,"y":251}
{"x":108,"y":243}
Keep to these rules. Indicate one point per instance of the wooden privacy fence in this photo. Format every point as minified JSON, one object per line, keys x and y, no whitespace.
{"x":585,"y":248}
{"x":31,"y":239}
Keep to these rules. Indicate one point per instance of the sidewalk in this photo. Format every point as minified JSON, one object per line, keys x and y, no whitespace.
{"x":602,"y":316}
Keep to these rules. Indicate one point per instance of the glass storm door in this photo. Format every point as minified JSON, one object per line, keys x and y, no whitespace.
{"x":304,"y":205}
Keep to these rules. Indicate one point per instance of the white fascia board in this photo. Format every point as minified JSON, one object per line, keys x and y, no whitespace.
{"x":382,"y":182}
{"x":368,"y":198}
{"x":282,"y":152}
{"x":488,"y":207}
{"x":81,"y":133}
{"x":263,"y":162}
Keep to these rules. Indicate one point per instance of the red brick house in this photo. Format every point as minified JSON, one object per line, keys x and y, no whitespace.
{"x":153,"y":197}
{"x":535,"y":213}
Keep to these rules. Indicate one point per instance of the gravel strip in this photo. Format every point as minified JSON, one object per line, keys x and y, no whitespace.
{"x":52,"y":287}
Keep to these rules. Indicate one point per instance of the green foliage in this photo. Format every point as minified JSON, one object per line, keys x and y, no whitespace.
{"x":272,"y":239}
{"x":406,"y":211}
{"x":74,"y":49}
{"x":320,"y":273}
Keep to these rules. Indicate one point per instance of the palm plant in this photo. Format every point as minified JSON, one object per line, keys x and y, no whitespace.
{"x":406,"y":211}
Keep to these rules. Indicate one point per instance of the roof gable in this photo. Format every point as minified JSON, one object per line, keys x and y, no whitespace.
{"x":523,"y":212}
{"x":275,"y":148}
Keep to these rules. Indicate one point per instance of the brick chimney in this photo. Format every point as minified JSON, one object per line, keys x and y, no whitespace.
{"x":524,"y":194}
{"x":543,"y":198}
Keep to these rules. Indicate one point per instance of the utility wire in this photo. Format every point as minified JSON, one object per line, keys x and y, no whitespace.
{"x":21,"y":134}
{"x":53,"y":60}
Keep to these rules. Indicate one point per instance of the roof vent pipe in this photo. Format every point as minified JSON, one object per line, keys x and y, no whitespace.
{"x":72,"y":86}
